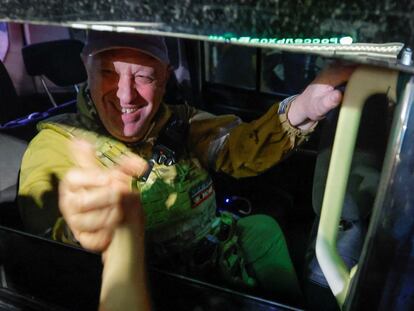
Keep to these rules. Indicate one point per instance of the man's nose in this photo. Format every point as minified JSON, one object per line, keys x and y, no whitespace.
{"x":126,"y":90}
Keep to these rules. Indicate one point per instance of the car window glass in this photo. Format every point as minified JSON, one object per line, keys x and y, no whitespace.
{"x":287,"y":73}
{"x":263,"y":70}
{"x":231,"y":65}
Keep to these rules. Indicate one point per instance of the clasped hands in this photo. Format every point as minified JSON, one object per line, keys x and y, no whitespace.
{"x":95,"y":200}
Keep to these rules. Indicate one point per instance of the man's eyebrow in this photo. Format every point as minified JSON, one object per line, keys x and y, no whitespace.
{"x":145,"y":68}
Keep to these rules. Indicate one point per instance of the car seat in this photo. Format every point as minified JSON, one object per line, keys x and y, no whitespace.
{"x":10,"y":104}
{"x":59,"y":61}
{"x":11,"y":153}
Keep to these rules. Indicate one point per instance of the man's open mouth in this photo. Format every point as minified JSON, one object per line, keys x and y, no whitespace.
{"x":128,"y":110}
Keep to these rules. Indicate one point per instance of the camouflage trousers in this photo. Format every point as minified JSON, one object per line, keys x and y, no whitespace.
{"x":246,"y":253}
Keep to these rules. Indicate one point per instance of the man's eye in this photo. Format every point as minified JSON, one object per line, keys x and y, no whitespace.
{"x":144,"y":79}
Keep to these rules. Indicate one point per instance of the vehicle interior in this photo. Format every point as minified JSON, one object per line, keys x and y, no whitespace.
{"x":40,"y":72}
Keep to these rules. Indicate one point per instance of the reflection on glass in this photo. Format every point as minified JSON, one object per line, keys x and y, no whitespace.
{"x":231,"y":65}
{"x":287,"y":73}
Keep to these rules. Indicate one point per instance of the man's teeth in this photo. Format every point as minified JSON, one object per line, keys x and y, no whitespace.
{"x":128,"y":110}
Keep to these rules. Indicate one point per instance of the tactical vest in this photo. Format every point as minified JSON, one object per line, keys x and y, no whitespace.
{"x":178,"y":200}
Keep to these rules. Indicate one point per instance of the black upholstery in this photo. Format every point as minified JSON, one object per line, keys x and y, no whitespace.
{"x":51,"y":58}
{"x":60,"y":62}
{"x":9,"y":101}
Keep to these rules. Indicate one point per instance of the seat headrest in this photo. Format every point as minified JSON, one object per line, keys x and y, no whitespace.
{"x":8,"y":95}
{"x":58,"y":60}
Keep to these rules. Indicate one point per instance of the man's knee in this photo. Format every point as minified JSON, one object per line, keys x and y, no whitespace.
{"x":267,"y":256}
{"x":258,"y":234}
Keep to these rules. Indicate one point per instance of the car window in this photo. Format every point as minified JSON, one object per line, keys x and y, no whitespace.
{"x":287,"y":73}
{"x":231,"y":65}
{"x":262,"y":70}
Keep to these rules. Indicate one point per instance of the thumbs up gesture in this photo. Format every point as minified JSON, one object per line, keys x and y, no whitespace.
{"x":94,"y":200}
{"x":104,"y":215}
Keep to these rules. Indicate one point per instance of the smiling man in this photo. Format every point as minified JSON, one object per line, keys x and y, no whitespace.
{"x":127,"y":87}
{"x":146,"y":151}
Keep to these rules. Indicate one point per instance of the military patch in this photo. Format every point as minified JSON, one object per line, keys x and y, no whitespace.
{"x":201,"y":192}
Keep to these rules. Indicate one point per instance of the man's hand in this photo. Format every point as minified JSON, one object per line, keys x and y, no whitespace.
{"x":95,"y":200}
{"x":319,"y":97}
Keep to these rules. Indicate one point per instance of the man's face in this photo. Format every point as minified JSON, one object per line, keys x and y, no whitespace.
{"x":127,"y":87}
